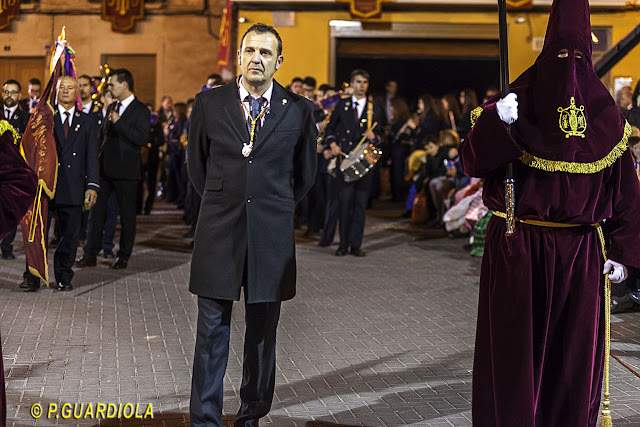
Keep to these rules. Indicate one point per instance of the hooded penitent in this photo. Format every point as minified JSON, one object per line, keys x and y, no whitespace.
{"x":540,"y":340}
{"x":565,"y":112}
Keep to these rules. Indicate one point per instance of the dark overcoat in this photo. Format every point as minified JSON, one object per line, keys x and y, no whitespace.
{"x":121,"y":158}
{"x":245,"y":230}
{"x":78,"y":168}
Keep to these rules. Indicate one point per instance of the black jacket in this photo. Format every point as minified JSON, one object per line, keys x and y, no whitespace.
{"x":248,"y":202}
{"x":120,"y":157}
{"x":18,"y":119}
{"x":77,"y":158}
{"x":344,"y":130}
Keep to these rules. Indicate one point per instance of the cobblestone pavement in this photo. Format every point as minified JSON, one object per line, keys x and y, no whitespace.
{"x":385,"y":340}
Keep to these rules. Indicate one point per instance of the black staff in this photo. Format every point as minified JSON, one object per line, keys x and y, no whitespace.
{"x":509,"y":183}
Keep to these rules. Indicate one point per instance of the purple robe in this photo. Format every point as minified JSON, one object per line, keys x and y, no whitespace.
{"x":540,"y":333}
{"x":18,"y":185}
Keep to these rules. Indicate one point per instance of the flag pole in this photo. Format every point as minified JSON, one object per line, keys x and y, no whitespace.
{"x":509,"y":182}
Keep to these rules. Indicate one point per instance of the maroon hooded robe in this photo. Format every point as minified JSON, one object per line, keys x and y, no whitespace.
{"x":540,"y":334}
{"x":18,"y":185}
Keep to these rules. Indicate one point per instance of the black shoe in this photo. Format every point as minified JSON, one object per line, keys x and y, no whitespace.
{"x":622,"y":304}
{"x":65,"y":286}
{"x":108,"y":253}
{"x":86,"y":261}
{"x":8,"y":255}
{"x":341,"y":252}
{"x":357,"y":252}
{"x":121,"y":263}
{"x":25,"y":284}
{"x":31,"y":286}
{"x":323,"y":244}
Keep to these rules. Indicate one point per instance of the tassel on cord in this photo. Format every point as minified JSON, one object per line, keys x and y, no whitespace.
{"x":606,"y":412}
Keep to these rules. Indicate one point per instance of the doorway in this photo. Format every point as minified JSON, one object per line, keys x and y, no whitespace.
{"x":24,"y":69}
{"x":143,"y":69}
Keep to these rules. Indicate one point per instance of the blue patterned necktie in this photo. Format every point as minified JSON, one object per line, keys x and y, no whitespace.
{"x":256,"y":105}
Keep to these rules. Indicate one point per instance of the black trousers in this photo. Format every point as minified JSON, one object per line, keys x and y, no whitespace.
{"x":332,"y":209}
{"x":212,"y":353}
{"x":6,"y":245}
{"x":353,"y":203}
{"x":69,"y":218}
{"x":126,"y":193}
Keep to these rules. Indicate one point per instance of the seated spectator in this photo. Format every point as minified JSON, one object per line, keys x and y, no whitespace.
{"x":430,"y":119}
{"x":452,"y":113}
{"x":469,"y":102}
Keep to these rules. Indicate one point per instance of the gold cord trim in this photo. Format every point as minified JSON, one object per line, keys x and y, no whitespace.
{"x":6,"y":126}
{"x":582,"y":168}
{"x":606,"y":412}
{"x":475,"y":113}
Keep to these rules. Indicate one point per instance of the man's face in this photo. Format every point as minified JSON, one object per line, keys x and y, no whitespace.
{"x":392,"y":89}
{"x":67,"y":91}
{"x":360,"y":86}
{"x":258,"y":58}
{"x":10,"y":95}
{"x":34,"y":91}
{"x":167,"y":104}
{"x":85,"y":89}
{"x":626,"y":99}
{"x":116,"y":88}
{"x":307,"y":91}
{"x":431,"y":148}
{"x":296,"y":87}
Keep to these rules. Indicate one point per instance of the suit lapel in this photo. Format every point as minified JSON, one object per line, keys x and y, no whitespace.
{"x":278,"y":107}
{"x":58,"y":130}
{"x":234,"y":112}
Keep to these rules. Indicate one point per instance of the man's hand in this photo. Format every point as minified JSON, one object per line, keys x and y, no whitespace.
{"x":616,"y":271}
{"x":114,"y":116}
{"x":508,"y":108}
{"x":90,"y":199}
{"x":335,"y":150}
{"x":327,"y":154}
{"x":369,"y":134}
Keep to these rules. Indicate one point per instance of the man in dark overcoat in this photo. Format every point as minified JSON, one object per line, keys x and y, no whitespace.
{"x":252,"y":157}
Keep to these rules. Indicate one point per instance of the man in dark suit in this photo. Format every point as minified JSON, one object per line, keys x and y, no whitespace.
{"x":252,"y":157}
{"x":33,"y":95}
{"x":76,"y":136}
{"x":352,"y":120}
{"x":123,"y":134}
{"x":18,"y":118}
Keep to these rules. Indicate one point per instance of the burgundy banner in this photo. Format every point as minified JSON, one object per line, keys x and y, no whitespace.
{"x":9,"y":9}
{"x":224,"y":44}
{"x":123,"y":14}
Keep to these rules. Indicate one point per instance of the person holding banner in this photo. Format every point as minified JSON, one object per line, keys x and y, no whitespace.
{"x":542,"y":333}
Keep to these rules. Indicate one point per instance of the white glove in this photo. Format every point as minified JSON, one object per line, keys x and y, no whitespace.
{"x":617,"y":272}
{"x":508,"y":108}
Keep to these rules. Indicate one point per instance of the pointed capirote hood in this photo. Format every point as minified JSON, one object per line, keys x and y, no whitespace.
{"x":569,"y":27}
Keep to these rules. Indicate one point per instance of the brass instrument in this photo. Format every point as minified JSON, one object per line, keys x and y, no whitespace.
{"x":322,"y":127}
{"x":96,"y":96}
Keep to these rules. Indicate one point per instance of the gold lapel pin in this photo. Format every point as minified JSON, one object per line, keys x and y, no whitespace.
{"x":284,"y":102}
{"x":77,"y":127}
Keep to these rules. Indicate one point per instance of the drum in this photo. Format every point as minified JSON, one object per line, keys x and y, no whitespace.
{"x":359,"y":162}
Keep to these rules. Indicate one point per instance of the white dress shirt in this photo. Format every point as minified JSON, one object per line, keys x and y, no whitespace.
{"x":62,"y":115}
{"x":266,"y":95}
{"x":359,"y":104}
{"x":12,"y":111}
{"x":125,"y":103}
{"x":86,"y":108}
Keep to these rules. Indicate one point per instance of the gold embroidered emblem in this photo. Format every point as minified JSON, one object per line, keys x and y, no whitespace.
{"x":572,"y":119}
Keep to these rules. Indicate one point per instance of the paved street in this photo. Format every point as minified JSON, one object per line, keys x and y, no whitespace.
{"x":385,"y":340}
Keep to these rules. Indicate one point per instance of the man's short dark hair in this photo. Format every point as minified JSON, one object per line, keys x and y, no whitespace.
{"x":123,"y":75}
{"x":309,"y":81}
{"x":325,"y":87}
{"x":13,"y":82}
{"x":261,"y":28}
{"x":84,"y":76}
{"x":296,"y":79}
{"x":217,"y":79}
{"x":35,"y":81}
{"x":358,"y":72}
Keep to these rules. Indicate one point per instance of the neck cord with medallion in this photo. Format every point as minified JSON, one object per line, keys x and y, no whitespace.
{"x":248,"y":147}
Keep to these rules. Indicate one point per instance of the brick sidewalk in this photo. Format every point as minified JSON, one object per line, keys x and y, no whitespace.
{"x":385,"y":340}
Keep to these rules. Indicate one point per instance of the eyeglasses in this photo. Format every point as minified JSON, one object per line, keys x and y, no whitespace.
{"x":11,"y":92}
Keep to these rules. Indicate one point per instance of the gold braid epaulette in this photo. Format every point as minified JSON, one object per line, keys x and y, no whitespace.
{"x":582,"y":168}
{"x":6,"y":126}
{"x":475,"y":113}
